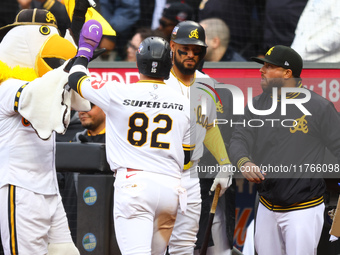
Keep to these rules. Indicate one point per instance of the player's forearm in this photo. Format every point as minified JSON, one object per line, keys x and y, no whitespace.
{"x":214,"y":142}
{"x":78,"y":73}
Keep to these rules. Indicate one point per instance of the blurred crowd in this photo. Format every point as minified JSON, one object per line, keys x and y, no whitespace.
{"x":236,"y":30}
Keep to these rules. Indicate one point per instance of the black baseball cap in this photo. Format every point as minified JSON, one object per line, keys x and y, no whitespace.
{"x":31,"y":17}
{"x":177,"y":12}
{"x":284,"y":57}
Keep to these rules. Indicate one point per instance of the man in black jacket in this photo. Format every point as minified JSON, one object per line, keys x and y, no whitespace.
{"x":284,"y":155}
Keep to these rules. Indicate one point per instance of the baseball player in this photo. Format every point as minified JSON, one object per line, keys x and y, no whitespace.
{"x":188,"y":47}
{"x":32,"y":216}
{"x":290,"y":214}
{"x":147,"y":129}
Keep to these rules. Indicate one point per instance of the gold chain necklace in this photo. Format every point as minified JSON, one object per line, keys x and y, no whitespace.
{"x":180,"y":85}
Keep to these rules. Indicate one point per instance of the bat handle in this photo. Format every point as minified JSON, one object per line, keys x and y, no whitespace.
{"x":215,"y":200}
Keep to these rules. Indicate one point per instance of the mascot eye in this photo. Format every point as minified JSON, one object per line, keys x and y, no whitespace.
{"x":45,"y":30}
{"x":54,"y":62}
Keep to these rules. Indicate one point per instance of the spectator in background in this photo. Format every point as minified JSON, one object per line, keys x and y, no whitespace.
{"x":244,"y":19}
{"x":281,"y":18}
{"x":217,"y":38}
{"x":174,"y":13}
{"x":94,"y":123}
{"x":133,"y":45}
{"x":317,"y":36}
{"x":123,"y":16}
{"x":160,"y":5}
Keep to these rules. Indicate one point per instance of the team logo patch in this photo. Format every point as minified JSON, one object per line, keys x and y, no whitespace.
{"x":300,"y":125}
{"x":270,"y":51}
{"x":50,"y":18}
{"x":194,"y":33}
{"x":98,"y":85}
{"x":90,"y":195}
{"x":89,"y":242}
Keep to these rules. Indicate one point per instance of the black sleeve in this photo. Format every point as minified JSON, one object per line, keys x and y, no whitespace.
{"x":76,"y":77}
{"x":187,"y":156}
{"x":78,"y":18}
{"x":242,"y":141}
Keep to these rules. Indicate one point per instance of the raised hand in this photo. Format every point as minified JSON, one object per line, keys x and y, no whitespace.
{"x":89,"y":39}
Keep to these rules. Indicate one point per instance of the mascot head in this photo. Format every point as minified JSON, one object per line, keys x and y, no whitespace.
{"x":33,"y":41}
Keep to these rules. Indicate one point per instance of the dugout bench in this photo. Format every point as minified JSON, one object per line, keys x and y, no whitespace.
{"x":95,"y":226}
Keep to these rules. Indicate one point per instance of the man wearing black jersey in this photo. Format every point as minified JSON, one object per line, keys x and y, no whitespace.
{"x":281,"y":154}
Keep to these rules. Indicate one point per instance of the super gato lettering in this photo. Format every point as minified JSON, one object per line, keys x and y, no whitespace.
{"x":137,"y":103}
{"x":152,"y":104}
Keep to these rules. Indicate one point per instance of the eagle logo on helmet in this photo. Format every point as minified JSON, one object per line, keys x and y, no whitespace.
{"x":194,"y":33}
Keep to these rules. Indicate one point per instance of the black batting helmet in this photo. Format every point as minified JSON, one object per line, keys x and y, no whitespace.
{"x":154,"y":57}
{"x":189,"y":32}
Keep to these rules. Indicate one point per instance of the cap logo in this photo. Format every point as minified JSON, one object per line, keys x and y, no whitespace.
{"x":181,"y":16}
{"x":270,"y":51}
{"x":50,"y":17}
{"x":194,"y":33}
{"x":286,"y":63}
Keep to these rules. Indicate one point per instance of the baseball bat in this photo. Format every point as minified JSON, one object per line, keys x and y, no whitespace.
{"x":204,"y":247}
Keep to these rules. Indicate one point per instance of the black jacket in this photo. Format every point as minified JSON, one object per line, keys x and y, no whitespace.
{"x":295,"y":149}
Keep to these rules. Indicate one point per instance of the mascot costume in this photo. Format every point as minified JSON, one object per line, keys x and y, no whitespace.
{"x":35,"y":103}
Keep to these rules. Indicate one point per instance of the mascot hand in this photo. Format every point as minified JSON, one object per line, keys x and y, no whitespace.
{"x":224,"y":178}
{"x":89,"y":39}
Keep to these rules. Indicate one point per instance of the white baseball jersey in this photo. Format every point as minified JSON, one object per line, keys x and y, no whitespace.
{"x":147,"y":124}
{"x":25,"y":160}
{"x":201,"y":103}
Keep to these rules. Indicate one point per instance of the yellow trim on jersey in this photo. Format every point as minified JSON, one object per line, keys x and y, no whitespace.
{"x":11,"y":204}
{"x":292,"y":207}
{"x":192,"y":82}
{"x":151,"y":81}
{"x":214,"y":142}
{"x":293,"y":94}
{"x":210,"y":126}
{"x":100,"y":133}
{"x":17,"y":96}
{"x":187,"y":166}
{"x":242,"y":161}
{"x":79,"y":85}
{"x":187,"y":147}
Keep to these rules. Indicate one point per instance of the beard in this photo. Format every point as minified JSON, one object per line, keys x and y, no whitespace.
{"x":185,"y":70}
{"x":273,"y":83}
{"x":89,"y":125}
